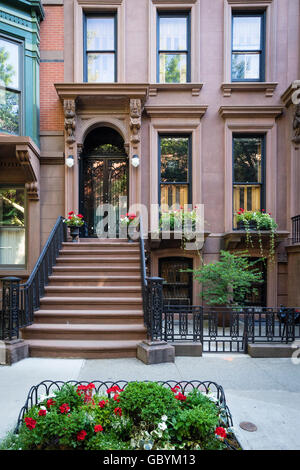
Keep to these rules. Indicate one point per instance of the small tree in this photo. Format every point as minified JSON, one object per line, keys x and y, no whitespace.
{"x":229,"y":280}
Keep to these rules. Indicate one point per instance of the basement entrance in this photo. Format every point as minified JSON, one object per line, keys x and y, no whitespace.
{"x":103,"y":180}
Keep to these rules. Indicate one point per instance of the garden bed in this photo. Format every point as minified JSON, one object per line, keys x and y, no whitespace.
{"x":124,"y":416}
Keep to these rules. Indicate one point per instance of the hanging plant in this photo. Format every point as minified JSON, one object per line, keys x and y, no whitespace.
{"x":257,"y":221}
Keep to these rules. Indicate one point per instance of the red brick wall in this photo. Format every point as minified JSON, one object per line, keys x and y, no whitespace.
{"x":52,"y":39}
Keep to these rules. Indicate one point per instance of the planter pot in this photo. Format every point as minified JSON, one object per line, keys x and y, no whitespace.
{"x":251,"y":226}
{"x":74,"y":232}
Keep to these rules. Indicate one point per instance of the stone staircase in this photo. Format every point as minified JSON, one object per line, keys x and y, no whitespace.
{"x":92,"y":306}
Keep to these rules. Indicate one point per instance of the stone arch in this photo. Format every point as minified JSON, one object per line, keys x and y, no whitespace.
{"x":91,"y":124}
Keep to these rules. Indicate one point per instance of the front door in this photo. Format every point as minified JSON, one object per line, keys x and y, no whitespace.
{"x":104,"y":179}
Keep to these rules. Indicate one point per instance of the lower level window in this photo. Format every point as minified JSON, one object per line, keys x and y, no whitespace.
{"x":178,"y":286}
{"x":12,"y":226}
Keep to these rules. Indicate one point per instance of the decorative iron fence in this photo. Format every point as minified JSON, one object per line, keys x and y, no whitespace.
{"x":20,"y":301}
{"x":296,"y":229}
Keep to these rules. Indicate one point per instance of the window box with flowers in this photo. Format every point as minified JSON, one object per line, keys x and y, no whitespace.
{"x":124,"y":416}
{"x":179,"y":224}
{"x":74,"y":222}
{"x":129,"y":221}
{"x":257,"y":221}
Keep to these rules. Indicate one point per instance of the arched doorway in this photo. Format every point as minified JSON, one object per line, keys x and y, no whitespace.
{"x":103,"y":179}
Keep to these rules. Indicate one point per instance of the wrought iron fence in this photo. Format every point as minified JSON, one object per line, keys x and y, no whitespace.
{"x":296,"y":229}
{"x":19,"y":301}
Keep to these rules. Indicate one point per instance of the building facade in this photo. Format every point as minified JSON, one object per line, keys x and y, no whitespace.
{"x":203,"y":93}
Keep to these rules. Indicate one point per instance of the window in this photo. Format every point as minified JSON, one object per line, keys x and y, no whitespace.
{"x":174,"y":171}
{"x":10,"y":86}
{"x":12,"y":226}
{"x":248,"y":172}
{"x":248,"y":41}
{"x":177,"y":286}
{"x":173,"y":44}
{"x":100,"y":48}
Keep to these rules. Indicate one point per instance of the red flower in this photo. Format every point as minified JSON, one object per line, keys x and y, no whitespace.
{"x":220,"y":432}
{"x":81,"y":435}
{"x":70,"y":213}
{"x":70,"y":217}
{"x":174,"y":389}
{"x":102,"y":403}
{"x":114,"y":389}
{"x":64,"y":408}
{"x":42,"y":413}
{"x":80,"y":216}
{"x":50,"y":402}
{"x":118,"y":411}
{"x":180,"y":397}
{"x":98,"y":428}
{"x":30,"y":423}
{"x":117,"y":397}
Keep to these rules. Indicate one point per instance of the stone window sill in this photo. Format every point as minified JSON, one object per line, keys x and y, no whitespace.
{"x":267,"y":87}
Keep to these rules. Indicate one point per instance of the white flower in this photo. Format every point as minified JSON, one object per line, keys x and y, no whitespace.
{"x":162,"y":426}
{"x":164,"y":418}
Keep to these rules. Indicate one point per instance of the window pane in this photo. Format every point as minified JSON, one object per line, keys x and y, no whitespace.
{"x":174,"y":159}
{"x":246,"y":33}
{"x":247,"y":197}
{"x":100,"y":34}
{"x":173,"y":34}
{"x":101,"y":68}
{"x":247,"y":154}
{"x":9,"y":111}
{"x":173,"y":195}
{"x":9,"y":64}
{"x":172,"y":68}
{"x":245,"y":66}
{"x":12,"y":230}
{"x":177,"y":286}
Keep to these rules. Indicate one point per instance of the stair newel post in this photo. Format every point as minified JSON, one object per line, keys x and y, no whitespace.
{"x":155,"y":305}
{"x":10,"y":308}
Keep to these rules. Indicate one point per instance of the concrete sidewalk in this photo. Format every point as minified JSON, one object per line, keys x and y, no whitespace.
{"x":263,"y":391}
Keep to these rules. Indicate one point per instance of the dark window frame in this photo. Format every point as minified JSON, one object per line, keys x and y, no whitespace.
{"x":179,"y":259}
{"x":261,"y":51}
{"x":184,"y":183}
{"x":174,"y":14}
{"x":263,"y":169}
{"x":21,"y":89}
{"x":106,"y":14}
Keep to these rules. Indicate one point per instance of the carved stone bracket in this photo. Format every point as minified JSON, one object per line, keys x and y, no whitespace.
{"x":296,"y":125}
{"x":32,"y":190}
{"x":135,"y":121}
{"x":70,"y":121}
{"x":23,"y":158}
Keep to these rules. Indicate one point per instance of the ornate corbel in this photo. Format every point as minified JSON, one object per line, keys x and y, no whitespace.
{"x":23,"y":158}
{"x":135,"y":120}
{"x":70,"y":121}
{"x":296,"y":125}
{"x":32,"y":190}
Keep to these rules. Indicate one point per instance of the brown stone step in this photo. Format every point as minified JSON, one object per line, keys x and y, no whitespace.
{"x":95,"y":291}
{"x":96,"y":244}
{"x":106,"y":253}
{"x":82,"y":349}
{"x":89,"y":316}
{"x":113,"y":269}
{"x":99,"y":260}
{"x":87,"y":280}
{"x":86,"y":303}
{"x":86,"y":332}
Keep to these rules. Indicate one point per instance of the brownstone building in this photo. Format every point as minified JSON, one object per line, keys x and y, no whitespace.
{"x":201,"y":94}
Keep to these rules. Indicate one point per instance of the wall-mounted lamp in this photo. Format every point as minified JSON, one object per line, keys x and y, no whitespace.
{"x":135,"y":161}
{"x":70,"y":161}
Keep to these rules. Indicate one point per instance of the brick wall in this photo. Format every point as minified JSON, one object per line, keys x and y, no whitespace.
{"x":51,"y":69}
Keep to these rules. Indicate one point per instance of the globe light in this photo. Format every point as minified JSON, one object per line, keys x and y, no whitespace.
{"x":70,"y":161}
{"x":135,"y":161}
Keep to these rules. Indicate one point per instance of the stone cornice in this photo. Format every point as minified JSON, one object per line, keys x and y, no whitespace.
{"x":121,"y":90}
{"x":156,"y":88}
{"x":267,"y":87}
{"x":250,"y":111}
{"x":182,"y":111}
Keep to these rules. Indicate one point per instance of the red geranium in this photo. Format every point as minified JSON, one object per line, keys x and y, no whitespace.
{"x":221,"y":432}
{"x":50,"y":402}
{"x":30,"y":423}
{"x":180,"y":397}
{"x":98,"y":428}
{"x":70,"y":213}
{"x":80,"y":216}
{"x":81,"y":435}
{"x":118,"y":411}
{"x":42,"y":412}
{"x":64,"y":408}
{"x":102,"y":403}
{"x":174,"y":389}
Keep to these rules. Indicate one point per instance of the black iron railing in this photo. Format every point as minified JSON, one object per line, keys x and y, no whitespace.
{"x":296,"y":229}
{"x":20,"y":301}
{"x":229,"y":329}
{"x":152,"y":295}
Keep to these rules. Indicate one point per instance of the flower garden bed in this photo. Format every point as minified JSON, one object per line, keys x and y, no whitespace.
{"x":124,"y":416}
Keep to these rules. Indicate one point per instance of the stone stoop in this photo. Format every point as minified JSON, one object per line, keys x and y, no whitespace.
{"x":93,"y":305}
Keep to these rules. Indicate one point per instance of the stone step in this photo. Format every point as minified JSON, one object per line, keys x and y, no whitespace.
{"x":99,"y":260}
{"x":105,"y":253}
{"x":112,"y":269}
{"x":89,"y":316}
{"x":82,"y":349}
{"x":86,"y":303}
{"x":88,"y":332}
{"x":88,"y":280}
{"x":96,"y":291}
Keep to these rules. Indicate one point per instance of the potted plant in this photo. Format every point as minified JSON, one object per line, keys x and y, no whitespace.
{"x":259,"y":221}
{"x":179,"y":221}
{"x":126,"y":221}
{"x":74,"y":222}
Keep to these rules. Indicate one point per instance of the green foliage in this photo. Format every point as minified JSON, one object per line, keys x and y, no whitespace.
{"x":68,"y":394}
{"x":107,"y":442}
{"x":147,"y":401}
{"x":232,"y":275}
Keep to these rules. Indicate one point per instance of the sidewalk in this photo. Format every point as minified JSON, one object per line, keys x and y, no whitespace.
{"x":263,"y":391}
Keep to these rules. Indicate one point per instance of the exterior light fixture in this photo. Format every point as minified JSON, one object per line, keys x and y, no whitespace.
{"x":70,"y":161}
{"x":135,"y":161}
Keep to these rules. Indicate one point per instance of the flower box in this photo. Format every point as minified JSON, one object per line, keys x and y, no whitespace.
{"x":125,"y":416}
